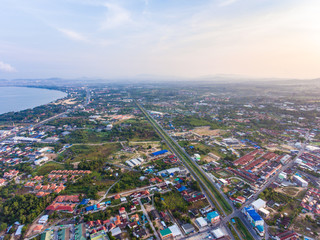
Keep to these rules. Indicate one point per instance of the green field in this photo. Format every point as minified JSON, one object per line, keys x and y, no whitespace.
{"x":221,"y":204}
{"x":85,"y":152}
{"x":48,"y":167}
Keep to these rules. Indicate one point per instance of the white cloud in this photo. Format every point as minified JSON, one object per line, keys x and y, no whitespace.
{"x":5,"y":67}
{"x":226,"y":3}
{"x":73,"y":35}
{"x":116,"y":16}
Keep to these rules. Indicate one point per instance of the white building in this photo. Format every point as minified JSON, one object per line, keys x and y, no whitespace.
{"x":175,"y":231}
{"x":41,"y":160}
{"x":300,"y":181}
{"x":201,"y":222}
{"x":259,"y":203}
{"x":43,"y":220}
{"x":217,"y":233}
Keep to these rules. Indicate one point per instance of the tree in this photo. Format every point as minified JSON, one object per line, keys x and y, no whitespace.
{"x":3,"y":227}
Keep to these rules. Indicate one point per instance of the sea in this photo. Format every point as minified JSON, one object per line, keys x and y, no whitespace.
{"x":14,"y":99}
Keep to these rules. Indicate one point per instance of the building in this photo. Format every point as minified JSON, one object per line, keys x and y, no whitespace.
{"x":222,"y":181}
{"x":259,"y":203}
{"x":175,"y":231}
{"x":116,"y":231}
{"x":166,"y":234}
{"x":159,"y":153}
{"x":101,"y":235}
{"x":2,"y":181}
{"x":48,"y":235}
{"x":287,"y":235}
{"x":201,"y":222}
{"x":197,"y":157}
{"x":64,"y":234}
{"x":19,"y":230}
{"x":213,"y":217}
{"x":217,"y":233}
{"x":300,"y":181}
{"x":240,"y":200}
{"x":264,"y":212}
{"x":188,"y":228}
{"x":44,"y":219}
{"x":80,"y":232}
{"x":254,"y":218}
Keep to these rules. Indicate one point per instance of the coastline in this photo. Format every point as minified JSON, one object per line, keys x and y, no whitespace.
{"x":65,"y":94}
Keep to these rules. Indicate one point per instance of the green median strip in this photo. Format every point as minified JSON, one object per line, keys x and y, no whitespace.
{"x":242,"y":229}
{"x":234,"y":234}
{"x":209,"y":185}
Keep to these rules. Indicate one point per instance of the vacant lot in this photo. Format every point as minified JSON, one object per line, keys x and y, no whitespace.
{"x":48,"y":167}
{"x":207,"y":131}
{"x":90,"y":152}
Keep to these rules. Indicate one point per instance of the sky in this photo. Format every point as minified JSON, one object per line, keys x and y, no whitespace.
{"x":146,"y":38}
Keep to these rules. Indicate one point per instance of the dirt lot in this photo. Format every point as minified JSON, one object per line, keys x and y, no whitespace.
{"x":291,"y":191}
{"x":207,"y":131}
{"x":300,"y":224}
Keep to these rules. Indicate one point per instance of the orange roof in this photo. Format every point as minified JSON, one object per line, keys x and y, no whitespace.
{"x":38,"y":228}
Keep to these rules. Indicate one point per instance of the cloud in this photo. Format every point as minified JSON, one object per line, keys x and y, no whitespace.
{"x":226,"y":3}
{"x":116,"y":16}
{"x":5,"y":67}
{"x":73,"y":35}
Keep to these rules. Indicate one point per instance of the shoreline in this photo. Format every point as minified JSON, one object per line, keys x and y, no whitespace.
{"x":35,"y":87}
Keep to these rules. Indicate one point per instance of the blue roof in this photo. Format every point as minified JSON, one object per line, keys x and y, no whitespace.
{"x":253,"y":214}
{"x":159,"y":152}
{"x":212,"y":215}
{"x":89,"y":208}
{"x":182,"y":188}
{"x":85,"y":201}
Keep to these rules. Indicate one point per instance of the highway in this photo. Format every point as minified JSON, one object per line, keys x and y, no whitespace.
{"x":200,"y":174}
{"x":186,"y":160}
{"x":34,"y":125}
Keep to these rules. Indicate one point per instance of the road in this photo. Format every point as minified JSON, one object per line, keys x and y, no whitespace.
{"x":238,"y":212}
{"x":205,"y":183}
{"x":34,"y":125}
{"x":105,"y":195}
{"x":235,"y":212}
{"x":149,"y":221}
{"x":210,"y":197}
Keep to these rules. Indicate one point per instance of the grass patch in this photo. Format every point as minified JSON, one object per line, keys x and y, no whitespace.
{"x":78,"y":153}
{"x":48,"y":167}
{"x":242,"y":229}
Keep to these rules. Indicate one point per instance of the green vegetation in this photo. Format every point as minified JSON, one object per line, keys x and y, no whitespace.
{"x":218,"y":199}
{"x":234,"y":234}
{"x":242,"y":229}
{"x":48,"y":167}
{"x":132,"y":129}
{"x":172,"y":201}
{"x":194,"y":121}
{"x":129,"y":180}
{"x":23,"y":208}
{"x":89,"y":185}
{"x":78,"y":153}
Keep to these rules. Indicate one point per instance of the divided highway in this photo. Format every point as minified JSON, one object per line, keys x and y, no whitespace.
{"x":212,"y":193}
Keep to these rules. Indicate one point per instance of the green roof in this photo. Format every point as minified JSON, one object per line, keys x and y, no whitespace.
{"x":165,"y":232}
{"x":46,"y":235}
{"x":62,"y":234}
{"x":78,"y":232}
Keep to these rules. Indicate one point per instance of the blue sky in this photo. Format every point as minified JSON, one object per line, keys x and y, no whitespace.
{"x":184,"y":38}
